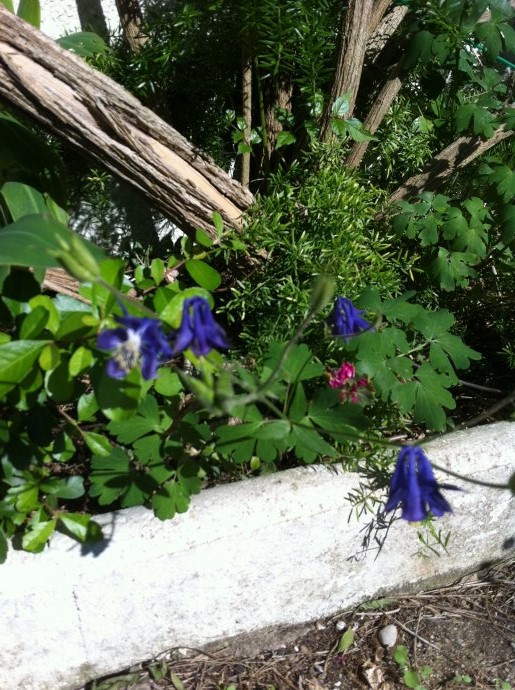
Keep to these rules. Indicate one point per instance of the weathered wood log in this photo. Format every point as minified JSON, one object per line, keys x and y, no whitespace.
{"x":93,"y":113}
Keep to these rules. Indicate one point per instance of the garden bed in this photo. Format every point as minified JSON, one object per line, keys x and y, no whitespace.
{"x":277,"y":550}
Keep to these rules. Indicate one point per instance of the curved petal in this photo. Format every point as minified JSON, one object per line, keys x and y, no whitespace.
{"x":108,"y":340}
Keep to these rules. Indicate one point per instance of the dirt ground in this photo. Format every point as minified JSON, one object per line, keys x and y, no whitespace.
{"x":455,"y":637}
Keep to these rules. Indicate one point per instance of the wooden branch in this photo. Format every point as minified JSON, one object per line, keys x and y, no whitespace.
{"x":375,"y":116}
{"x":246,"y":97}
{"x":350,"y":55}
{"x":93,"y":113}
{"x":384,"y":32}
{"x":457,"y":155}
{"x":380,"y":7}
{"x":131,"y":20}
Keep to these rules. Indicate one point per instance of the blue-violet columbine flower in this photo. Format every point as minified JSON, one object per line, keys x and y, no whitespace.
{"x":137,"y":341}
{"x":199,"y":331}
{"x":345,"y":320}
{"x":414,"y":487}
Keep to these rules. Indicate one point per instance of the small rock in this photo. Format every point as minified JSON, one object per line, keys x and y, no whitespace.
{"x":388,"y":635}
{"x":340,"y":625}
{"x":319,"y":625}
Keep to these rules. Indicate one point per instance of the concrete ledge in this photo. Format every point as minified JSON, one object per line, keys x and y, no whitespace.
{"x":276,"y":550}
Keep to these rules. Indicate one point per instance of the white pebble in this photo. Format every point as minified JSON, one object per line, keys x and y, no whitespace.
{"x":388,"y":635}
{"x":340,"y":625}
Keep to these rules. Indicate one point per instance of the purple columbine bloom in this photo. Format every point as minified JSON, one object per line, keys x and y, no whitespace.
{"x":345,"y":320}
{"x":198,"y":331}
{"x":414,"y":487}
{"x":137,"y":340}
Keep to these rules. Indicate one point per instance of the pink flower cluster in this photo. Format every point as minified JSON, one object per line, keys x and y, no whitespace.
{"x":344,"y":379}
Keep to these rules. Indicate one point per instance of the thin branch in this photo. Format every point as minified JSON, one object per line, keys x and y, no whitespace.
{"x":376,"y":115}
{"x":350,"y":56}
{"x":455,"y":156}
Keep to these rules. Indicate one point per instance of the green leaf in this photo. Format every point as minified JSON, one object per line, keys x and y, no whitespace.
{"x":54,"y":318}
{"x":308,"y":444}
{"x":36,"y":537}
{"x":357,"y":132}
{"x":72,"y":487}
{"x":97,"y":444}
{"x":157,"y":270}
{"x":83,"y":43}
{"x":411,"y":679}
{"x":76,"y":524}
{"x":34,"y":323}
{"x":30,"y":11}
{"x":32,"y":241}
{"x":299,"y":365}
{"x":80,"y":361}
{"x":87,"y":406}
{"x":284,"y":139}
{"x":202,"y":238}
{"x":419,"y":50}
{"x":170,"y":499}
{"x":60,"y":385}
{"x":346,"y":641}
{"x":299,"y":404}
{"x":8,"y":4}
{"x":203,"y":274}
{"x":218,"y":223}
{"x":400,"y":655}
{"x":168,"y":383}
{"x":118,"y":399}
{"x":3,"y":547}
{"x":16,"y":360}
{"x":340,"y":106}
{"x":271,"y":430}
{"x":22,"y":200}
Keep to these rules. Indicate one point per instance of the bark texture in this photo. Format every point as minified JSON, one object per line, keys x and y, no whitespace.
{"x":384,"y":32}
{"x":246,"y":93}
{"x":375,"y":116}
{"x":350,"y":55}
{"x":457,"y":155}
{"x":93,"y":113}
{"x":131,"y":19}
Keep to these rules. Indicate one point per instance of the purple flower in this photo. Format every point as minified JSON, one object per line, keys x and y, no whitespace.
{"x":345,"y":320}
{"x":137,"y":340}
{"x":413,"y":485}
{"x":198,"y":331}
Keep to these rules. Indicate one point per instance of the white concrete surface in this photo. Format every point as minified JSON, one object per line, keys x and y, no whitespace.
{"x":276,"y":550}
{"x":60,"y":17}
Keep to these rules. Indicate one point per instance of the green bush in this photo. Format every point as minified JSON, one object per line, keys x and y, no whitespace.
{"x":318,"y":219}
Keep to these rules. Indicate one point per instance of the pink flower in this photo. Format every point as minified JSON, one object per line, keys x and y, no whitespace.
{"x":340,"y":376}
{"x":350,"y":390}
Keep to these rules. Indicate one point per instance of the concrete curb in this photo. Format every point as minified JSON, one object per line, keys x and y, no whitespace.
{"x":276,"y":550}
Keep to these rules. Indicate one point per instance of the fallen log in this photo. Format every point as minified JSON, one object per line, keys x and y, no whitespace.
{"x":96,"y":115}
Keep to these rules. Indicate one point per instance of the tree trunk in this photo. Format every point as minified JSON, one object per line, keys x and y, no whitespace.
{"x":131,"y":19}
{"x":350,"y":55}
{"x":457,"y":155}
{"x":246,"y":93}
{"x":93,"y":113}
{"x":91,"y":17}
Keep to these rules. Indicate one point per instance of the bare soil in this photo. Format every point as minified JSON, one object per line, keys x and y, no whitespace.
{"x":456,"y":637}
